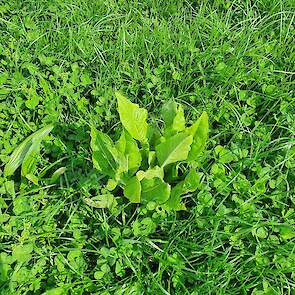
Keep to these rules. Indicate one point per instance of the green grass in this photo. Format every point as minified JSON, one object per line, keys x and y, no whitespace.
{"x":60,"y":62}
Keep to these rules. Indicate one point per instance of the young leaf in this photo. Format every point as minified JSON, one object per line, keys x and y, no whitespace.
{"x":151,"y":158}
{"x":175,"y":149}
{"x":174,"y":202}
{"x":132,"y":190}
{"x":154,"y":189}
{"x":21,"y":151}
{"x":173,"y":116}
{"x":150,"y":173}
{"x":133,"y":118}
{"x":104,"y":154}
{"x":191,"y":181}
{"x":128,"y":147}
{"x":101,"y":201}
{"x":199,"y":131}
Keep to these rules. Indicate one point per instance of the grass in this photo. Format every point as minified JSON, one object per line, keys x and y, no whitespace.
{"x":60,"y":62}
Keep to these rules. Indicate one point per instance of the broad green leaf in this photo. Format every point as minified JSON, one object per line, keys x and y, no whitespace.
{"x":104,"y":154}
{"x":155,"y":190}
{"x":127,"y":146}
{"x":173,"y":116}
{"x":199,"y":131}
{"x":21,"y":151}
{"x":101,"y":201}
{"x":192,"y":181}
{"x":151,"y":173}
{"x":132,"y":190}
{"x":175,"y":202}
{"x":132,"y":117}
{"x":174,"y":149}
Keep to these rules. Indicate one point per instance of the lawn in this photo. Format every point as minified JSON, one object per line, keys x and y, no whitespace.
{"x":61,"y":63}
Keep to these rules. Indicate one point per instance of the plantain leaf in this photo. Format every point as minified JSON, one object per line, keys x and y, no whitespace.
{"x":19,"y":154}
{"x":30,"y":159}
{"x":154,"y":189}
{"x":132,"y":190}
{"x":127,"y":146}
{"x":105,"y":156}
{"x":133,"y":118}
{"x":175,"y":149}
{"x":199,"y":131}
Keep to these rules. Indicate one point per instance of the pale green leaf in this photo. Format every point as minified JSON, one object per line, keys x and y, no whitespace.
{"x":101,"y":201}
{"x":55,"y":291}
{"x":132,"y":117}
{"x":151,"y":173}
{"x":19,"y":154}
{"x":132,"y":190}
{"x":56,"y":174}
{"x":105,"y":156}
{"x":174,"y":149}
{"x":173,"y":116}
{"x":155,"y":190}
{"x":199,"y":131}
{"x":127,"y":146}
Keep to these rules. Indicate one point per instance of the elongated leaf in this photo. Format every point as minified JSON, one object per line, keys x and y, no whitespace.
{"x":57,"y":174}
{"x":104,"y":154}
{"x":132,"y":117}
{"x":128,"y":147}
{"x":154,"y":189}
{"x":19,"y":154}
{"x":132,"y":190}
{"x":175,"y":149}
{"x":175,"y":202}
{"x":31,"y":157}
{"x":199,"y":131}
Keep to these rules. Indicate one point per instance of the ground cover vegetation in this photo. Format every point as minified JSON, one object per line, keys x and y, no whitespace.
{"x":91,"y":204}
